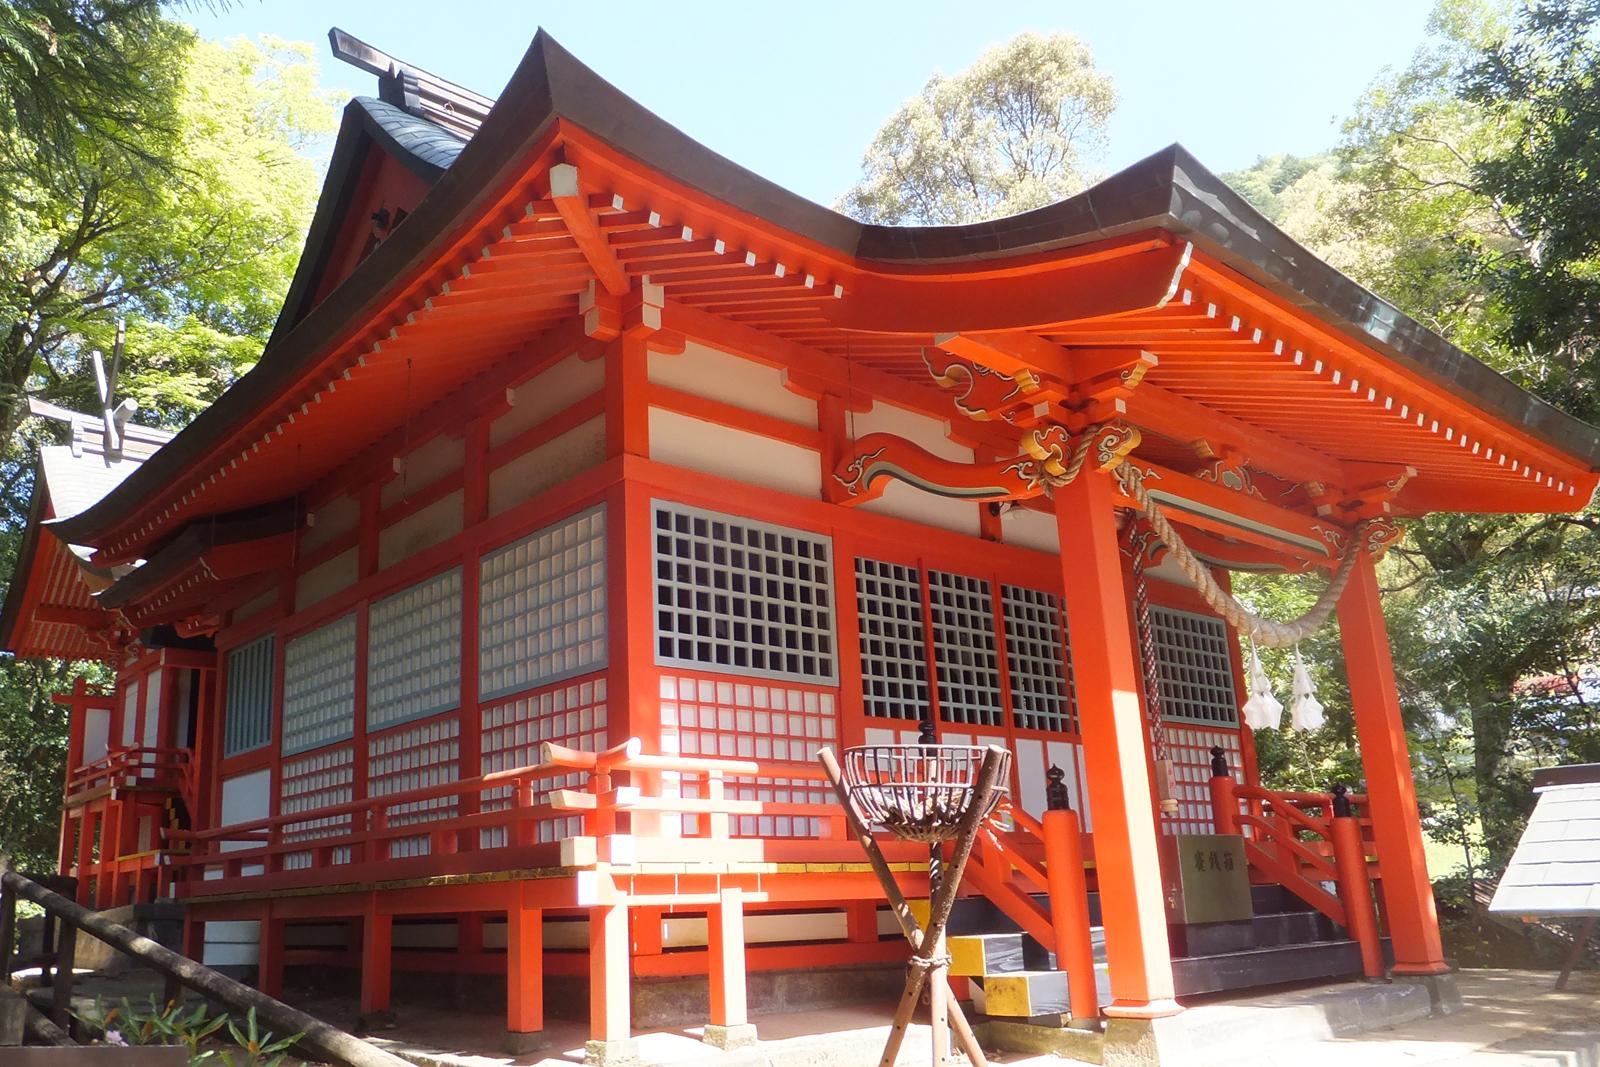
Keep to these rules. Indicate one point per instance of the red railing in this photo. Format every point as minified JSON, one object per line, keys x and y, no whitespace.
{"x":1034,"y":856}
{"x":365,"y":830}
{"x":135,"y":767}
{"x":1306,"y":842}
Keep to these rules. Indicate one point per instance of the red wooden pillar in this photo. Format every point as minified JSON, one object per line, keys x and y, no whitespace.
{"x":269,"y":961}
{"x":524,"y":969}
{"x":1131,"y":890}
{"x":610,"y":1006}
{"x":377,"y":938}
{"x":1391,"y":793}
{"x":725,"y":959}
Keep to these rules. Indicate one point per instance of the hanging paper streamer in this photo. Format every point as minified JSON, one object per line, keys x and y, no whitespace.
{"x":1305,"y":710}
{"x":1262,"y":710}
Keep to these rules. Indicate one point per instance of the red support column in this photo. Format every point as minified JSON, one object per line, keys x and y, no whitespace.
{"x":269,"y":962}
{"x":1391,"y":793}
{"x":1126,"y":859}
{"x":524,"y":972}
{"x":725,"y":968}
{"x":610,"y":998}
{"x":377,"y":937}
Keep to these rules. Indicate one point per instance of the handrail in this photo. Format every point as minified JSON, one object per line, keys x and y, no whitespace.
{"x":149,"y":767}
{"x":371,"y":822}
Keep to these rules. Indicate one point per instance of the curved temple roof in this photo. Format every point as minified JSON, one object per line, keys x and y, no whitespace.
{"x":1145,"y":220}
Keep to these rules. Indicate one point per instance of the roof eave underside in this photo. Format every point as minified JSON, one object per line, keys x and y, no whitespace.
{"x":1167,"y":191}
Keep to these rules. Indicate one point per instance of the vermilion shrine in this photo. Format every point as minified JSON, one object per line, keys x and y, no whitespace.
{"x":590,"y":484}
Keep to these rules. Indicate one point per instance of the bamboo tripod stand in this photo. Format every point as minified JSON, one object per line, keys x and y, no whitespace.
{"x":930,"y":962}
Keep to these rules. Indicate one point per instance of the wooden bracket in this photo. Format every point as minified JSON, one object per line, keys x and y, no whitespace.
{"x":566,"y":192}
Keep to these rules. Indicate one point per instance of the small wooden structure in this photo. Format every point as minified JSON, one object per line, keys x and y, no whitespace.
{"x":590,"y":485}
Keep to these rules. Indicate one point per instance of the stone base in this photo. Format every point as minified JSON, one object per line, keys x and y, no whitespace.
{"x":1146,"y":1042}
{"x":1074,"y":1042}
{"x":1444,"y":996}
{"x":729,"y":1037}
{"x":520,"y":1042}
{"x":623,"y":1053}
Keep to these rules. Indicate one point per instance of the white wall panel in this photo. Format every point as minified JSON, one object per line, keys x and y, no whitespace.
{"x":744,"y":383}
{"x":702,"y":446}
{"x":245,"y":798}
{"x":330,"y":520}
{"x":420,"y":530}
{"x":558,"y":388}
{"x":1030,"y":529}
{"x":561,"y":457}
{"x":325,"y":579}
{"x":424,"y":465}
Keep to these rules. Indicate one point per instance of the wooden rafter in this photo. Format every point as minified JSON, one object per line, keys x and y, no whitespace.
{"x":567,"y":193}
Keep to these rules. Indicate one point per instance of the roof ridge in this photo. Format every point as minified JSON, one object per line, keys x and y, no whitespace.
{"x":407,"y":86}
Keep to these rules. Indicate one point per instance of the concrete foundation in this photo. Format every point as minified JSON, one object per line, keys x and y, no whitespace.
{"x":729,"y":1037}
{"x":1162,"y":1042}
{"x":612,"y":1053}
{"x":1444,"y":992}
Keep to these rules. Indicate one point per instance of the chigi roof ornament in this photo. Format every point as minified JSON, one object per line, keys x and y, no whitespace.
{"x":114,"y":416}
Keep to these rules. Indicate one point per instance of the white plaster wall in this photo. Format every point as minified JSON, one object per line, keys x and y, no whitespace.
{"x":424,"y":465}
{"x":96,"y":734}
{"x":326,"y":579}
{"x":744,"y":457}
{"x":1030,"y":529}
{"x":743,"y":383}
{"x":233,"y":943}
{"x":338,"y":516}
{"x":245,"y":798}
{"x":420,"y":530}
{"x":577,"y":450}
{"x":558,"y":388}
{"x":255,"y":606}
{"x":905,"y":501}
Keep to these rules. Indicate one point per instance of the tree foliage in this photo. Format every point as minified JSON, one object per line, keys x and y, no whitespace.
{"x":1012,"y":132}
{"x":1462,"y":193}
{"x":184,"y":216}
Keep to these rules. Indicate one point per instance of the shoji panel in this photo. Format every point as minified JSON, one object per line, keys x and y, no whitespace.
{"x":1196,"y":669}
{"x":414,"y":652}
{"x":964,"y":649}
{"x":1041,"y":691}
{"x":894,"y":656}
{"x":319,"y":686}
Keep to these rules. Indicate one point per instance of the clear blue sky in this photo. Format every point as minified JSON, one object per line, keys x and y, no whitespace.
{"x":796,"y":91}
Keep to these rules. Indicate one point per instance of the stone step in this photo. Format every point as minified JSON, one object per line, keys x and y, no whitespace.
{"x":1022,"y":994}
{"x":1273,"y":965}
{"x":1263,"y":931}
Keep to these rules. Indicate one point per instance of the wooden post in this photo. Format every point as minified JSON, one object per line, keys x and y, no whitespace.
{"x":1580,"y":942}
{"x":66,"y":961}
{"x":1391,"y":790}
{"x":8,"y":929}
{"x":377,"y":938}
{"x":1069,"y":910}
{"x":524,"y":969}
{"x":269,"y":960}
{"x":1224,"y":802}
{"x":319,"y":1038}
{"x":1355,"y":888}
{"x":1107,"y":673}
{"x":610,"y":1009}
{"x":725,"y":959}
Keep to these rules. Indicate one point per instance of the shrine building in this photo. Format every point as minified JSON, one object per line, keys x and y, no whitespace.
{"x":590,"y":484}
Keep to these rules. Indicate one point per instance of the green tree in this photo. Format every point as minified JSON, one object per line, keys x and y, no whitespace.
{"x":1010,"y":133}
{"x":187,"y":222}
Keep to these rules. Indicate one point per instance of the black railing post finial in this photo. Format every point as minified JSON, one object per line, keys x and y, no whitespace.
{"x":1342,"y":807}
{"x":1056,"y":796}
{"x":1219,"y":762}
{"x":925,"y":733}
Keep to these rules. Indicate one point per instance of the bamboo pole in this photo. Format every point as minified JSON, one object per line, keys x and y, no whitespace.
{"x":317,"y":1037}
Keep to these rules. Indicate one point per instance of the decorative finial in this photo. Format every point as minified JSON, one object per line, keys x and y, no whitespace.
{"x":1219,"y":762}
{"x":925,"y":733}
{"x":1056,"y":796}
{"x":1342,"y":808}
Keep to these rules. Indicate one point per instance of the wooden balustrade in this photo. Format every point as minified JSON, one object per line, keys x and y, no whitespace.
{"x":1307,"y":842}
{"x":151,"y":768}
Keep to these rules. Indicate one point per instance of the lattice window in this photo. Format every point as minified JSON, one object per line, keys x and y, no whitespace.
{"x":742,"y":597}
{"x":249,"y":718}
{"x":1189,"y":749}
{"x":414,"y":652}
{"x":894,"y":656}
{"x":313,"y":782}
{"x":416,"y":757}
{"x":1195,"y":666}
{"x":542,"y":606}
{"x":319,"y":686}
{"x":1042,"y":693}
{"x":573,"y":715}
{"x":965,"y":659}
{"x":745,"y":720}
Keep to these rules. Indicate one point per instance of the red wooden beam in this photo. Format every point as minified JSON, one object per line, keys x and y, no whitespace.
{"x":570,"y":201}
